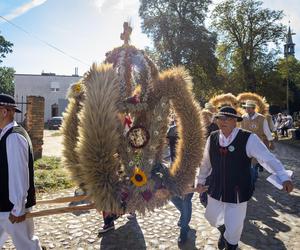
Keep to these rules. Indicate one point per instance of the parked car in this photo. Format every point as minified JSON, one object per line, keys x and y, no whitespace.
{"x":55,"y":122}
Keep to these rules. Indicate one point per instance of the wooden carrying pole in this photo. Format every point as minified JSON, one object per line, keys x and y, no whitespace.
{"x":71,"y":209}
{"x":63,"y":199}
{"x":60,"y":210}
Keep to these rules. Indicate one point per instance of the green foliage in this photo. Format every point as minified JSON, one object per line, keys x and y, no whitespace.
{"x":50,"y":175}
{"x":5,"y":47}
{"x":7,"y":80}
{"x":246,"y":30}
{"x":6,"y":74}
{"x":180,"y":38}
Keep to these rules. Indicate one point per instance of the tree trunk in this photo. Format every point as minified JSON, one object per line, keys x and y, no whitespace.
{"x":249,"y":75}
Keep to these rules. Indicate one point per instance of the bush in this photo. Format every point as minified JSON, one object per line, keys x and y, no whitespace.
{"x":50,"y":175}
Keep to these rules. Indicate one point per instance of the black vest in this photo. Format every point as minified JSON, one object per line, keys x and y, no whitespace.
{"x":231,"y":169}
{"x":5,"y":204}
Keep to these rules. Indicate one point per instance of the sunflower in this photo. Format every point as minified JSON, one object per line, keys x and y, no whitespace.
{"x":139,"y":178}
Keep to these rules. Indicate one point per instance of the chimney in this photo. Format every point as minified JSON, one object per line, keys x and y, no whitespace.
{"x":76,"y":72}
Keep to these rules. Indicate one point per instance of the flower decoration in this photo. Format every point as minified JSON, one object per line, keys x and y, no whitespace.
{"x":139,"y":177}
{"x":147,"y":195}
{"x":138,"y":136}
{"x":77,"y":88}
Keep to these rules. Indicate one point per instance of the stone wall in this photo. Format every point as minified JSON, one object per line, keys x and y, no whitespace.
{"x":34,"y":123}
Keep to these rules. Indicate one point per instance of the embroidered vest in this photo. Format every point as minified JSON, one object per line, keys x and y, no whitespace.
{"x":255,"y":125}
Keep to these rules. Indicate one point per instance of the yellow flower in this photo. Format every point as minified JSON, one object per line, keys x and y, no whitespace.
{"x":139,"y":178}
{"x":77,"y":88}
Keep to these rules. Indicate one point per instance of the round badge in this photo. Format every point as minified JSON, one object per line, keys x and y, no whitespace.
{"x":231,"y":148}
{"x":138,"y":136}
{"x":253,"y":126}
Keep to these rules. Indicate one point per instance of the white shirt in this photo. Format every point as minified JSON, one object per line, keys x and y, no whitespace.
{"x":18,"y":172}
{"x":255,"y":148}
{"x":266,"y":128}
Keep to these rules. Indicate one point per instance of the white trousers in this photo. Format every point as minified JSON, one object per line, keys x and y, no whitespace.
{"x":22,"y":233}
{"x":232,"y":215}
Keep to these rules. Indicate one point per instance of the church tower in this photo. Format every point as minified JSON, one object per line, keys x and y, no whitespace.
{"x":289,"y":47}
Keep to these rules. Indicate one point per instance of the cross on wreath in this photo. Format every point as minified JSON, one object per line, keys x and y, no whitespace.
{"x":126,"y":33}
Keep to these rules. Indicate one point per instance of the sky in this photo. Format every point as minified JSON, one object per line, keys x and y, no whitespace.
{"x":84,"y":30}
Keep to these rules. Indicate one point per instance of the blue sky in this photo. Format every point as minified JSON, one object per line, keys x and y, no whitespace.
{"x":85,"y":29}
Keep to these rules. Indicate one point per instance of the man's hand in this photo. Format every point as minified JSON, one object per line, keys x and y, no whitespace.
{"x":201,"y":188}
{"x":271,"y":145}
{"x":16,"y":219}
{"x":287,"y":186}
{"x":162,"y":193}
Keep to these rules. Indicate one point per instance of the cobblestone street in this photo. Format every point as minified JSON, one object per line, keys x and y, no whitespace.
{"x":272,"y":222}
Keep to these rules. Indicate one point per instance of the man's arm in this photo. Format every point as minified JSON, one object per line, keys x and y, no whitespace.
{"x":205,"y":167}
{"x":18,"y":172}
{"x":255,"y":148}
{"x":267,"y":130}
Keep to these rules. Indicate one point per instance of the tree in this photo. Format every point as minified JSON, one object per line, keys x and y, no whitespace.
{"x":289,"y":70}
{"x":246,"y":30}
{"x":7,"y":80}
{"x":6,"y":74}
{"x":5,"y":47}
{"x":180,"y":37}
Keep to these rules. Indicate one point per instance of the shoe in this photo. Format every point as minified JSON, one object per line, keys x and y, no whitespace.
{"x":182,"y":237}
{"x":106,"y":228}
{"x":131,"y":216}
{"x":221,"y":241}
{"x":230,"y":247}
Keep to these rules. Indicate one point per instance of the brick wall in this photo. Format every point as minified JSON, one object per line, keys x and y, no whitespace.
{"x":35,"y":123}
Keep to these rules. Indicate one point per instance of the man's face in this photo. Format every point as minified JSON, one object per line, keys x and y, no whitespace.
{"x":250,"y":110}
{"x":226,"y":123}
{"x":5,"y":115}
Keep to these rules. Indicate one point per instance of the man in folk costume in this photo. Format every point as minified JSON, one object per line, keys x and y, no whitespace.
{"x":258,"y":124}
{"x":227,"y":159}
{"x":17,"y":192}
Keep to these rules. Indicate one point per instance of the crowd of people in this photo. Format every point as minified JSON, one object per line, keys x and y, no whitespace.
{"x":283,"y":122}
{"x":236,"y":147}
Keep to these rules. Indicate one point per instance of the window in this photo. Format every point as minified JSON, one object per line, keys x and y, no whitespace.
{"x":54,"y":86}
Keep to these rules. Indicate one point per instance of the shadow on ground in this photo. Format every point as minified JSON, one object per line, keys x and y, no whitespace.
{"x":130,"y":235}
{"x":274,"y":201}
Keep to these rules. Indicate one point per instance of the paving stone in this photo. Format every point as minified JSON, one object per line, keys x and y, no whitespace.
{"x":272,"y":222}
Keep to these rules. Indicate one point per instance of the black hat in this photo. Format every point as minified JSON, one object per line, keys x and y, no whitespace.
{"x":9,"y":101}
{"x":228,"y":111}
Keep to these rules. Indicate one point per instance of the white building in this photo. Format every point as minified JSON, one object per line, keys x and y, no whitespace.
{"x":48,"y":85}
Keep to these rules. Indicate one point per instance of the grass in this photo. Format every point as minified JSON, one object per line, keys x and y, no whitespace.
{"x":50,"y":175}
{"x":56,"y":134}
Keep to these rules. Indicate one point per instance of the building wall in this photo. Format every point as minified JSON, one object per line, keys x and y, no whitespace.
{"x":43,"y":85}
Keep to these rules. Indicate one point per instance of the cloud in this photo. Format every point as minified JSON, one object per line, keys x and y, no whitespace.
{"x":116,"y":5}
{"x":24,"y":8}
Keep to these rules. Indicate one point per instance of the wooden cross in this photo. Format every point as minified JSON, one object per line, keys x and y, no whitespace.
{"x":126,"y":33}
